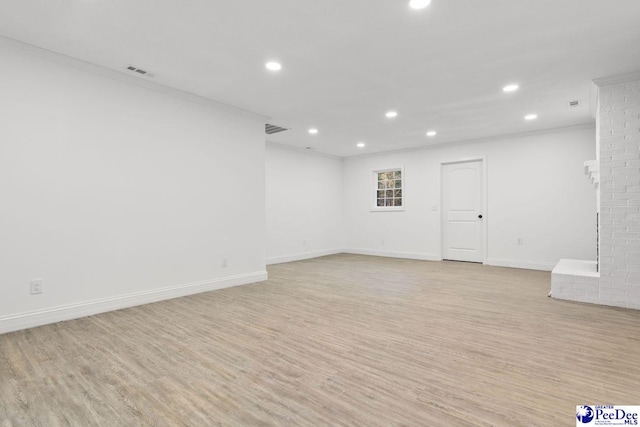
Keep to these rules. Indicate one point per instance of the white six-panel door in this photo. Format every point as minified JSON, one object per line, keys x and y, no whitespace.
{"x":462,"y":211}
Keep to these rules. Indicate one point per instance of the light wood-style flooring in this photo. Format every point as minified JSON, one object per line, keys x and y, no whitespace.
{"x":344,"y":340}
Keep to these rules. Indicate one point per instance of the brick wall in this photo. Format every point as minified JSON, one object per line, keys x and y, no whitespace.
{"x":619,"y":154}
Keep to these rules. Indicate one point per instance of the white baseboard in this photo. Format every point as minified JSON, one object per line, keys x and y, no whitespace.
{"x":393,"y":254}
{"x":74,"y":311}
{"x":302,"y":256}
{"x":527,"y":265}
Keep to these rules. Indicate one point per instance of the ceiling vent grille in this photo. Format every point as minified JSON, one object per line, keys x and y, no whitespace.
{"x":139,"y":71}
{"x":574,"y":104}
{"x":271,"y":129}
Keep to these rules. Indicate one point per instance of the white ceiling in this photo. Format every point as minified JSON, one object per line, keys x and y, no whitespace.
{"x":347,"y":62}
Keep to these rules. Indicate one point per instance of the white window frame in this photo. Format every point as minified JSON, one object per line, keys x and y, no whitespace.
{"x":374,"y":193}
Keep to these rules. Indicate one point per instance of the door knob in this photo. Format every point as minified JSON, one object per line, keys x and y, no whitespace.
{"x":480,"y":216}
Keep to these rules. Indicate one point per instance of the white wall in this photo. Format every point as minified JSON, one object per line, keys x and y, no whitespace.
{"x":536,"y":190}
{"x":115,"y":194}
{"x":304,"y":204}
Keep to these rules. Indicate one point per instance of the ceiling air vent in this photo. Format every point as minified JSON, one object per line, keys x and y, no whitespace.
{"x":271,"y":129}
{"x":574,"y":104}
{"x":139,"y":71}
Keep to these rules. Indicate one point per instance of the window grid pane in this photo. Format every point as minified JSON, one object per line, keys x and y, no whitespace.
{"x":389,"y":189}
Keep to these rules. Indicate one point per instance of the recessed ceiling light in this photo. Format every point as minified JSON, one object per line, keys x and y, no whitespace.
{"x":432,"y":133}
{"x":419,"y":4}
{"x":273,"y":66}
{"x":313,"y":131}
{"x":391,"y":114}
{"x":531,"y":117}
{"x":360,"y":144}
{"x":510,"y":88}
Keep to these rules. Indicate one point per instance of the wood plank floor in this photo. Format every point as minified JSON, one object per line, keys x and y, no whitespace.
{"x":341,"y":340}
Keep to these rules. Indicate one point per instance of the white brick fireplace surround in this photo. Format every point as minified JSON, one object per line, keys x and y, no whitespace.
{"x":618,"y":149}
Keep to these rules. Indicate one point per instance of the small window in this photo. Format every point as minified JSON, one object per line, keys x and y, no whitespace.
{"x":388,"y":190}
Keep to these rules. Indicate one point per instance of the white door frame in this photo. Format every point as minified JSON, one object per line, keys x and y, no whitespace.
{"x":485,"y":207}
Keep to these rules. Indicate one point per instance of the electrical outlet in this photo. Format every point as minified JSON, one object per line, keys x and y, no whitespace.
{"x":35,"y":286}
{"x":304,"y":243}
{"x":520,"y":241}
{"x":382,"y":242}
{"x":224,"y":263}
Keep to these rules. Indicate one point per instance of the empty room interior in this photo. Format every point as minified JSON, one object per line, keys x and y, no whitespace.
{"x":308,"y":213}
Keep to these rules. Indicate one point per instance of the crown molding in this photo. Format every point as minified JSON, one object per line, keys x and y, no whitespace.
{"x":613,"y":80}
